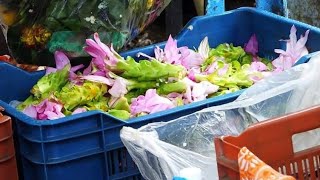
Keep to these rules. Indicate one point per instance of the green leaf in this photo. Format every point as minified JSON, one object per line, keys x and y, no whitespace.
{"x":100,"y":104}
{"x":120,"y":114}
{"x":268,"y":63}
{"x":51,"y":83}
{"x":31,"y":100}
{"x":72,"y":95}
{"x":119,"y":104}
{"x":146,"y":70}
{"x":167,"y":88}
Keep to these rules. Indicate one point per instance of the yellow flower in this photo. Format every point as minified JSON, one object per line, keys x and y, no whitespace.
{"x":7,"y":16}
{"x":36,"y":36}
{"x":150,"y":3}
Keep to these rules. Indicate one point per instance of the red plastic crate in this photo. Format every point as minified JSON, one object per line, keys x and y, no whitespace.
{"x":8,"y":167}
{"x":271,"y":141}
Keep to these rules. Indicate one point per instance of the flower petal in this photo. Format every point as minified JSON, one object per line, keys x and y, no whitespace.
{"x":119,"y":88}
{"x":76,"y":68}
{"x":79,"y":110}
{"x":30,"y":111}
{"x":61,"y":59}
{"x":50,"y":70}
{"x":204,"y":48}
{"x":192,"y":60}
{"x":98,"y":79}
{"x":150,"y":103}
{"x":252,"y":46}
{"x":258,"y":66}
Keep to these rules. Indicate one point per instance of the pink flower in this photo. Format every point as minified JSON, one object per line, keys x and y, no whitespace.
{"x":171,"y":53}
{"x":198,"y":91}
{"x":295,"y":49}
{"x":61,"y":61}
{"x":45,"y":110}
{"x":79,"y":110}
{"x":258,"y":66}
{"x":150,"y":103}
{"x":191,"y":59}
{"x":282,"y":63}
{"x":98,"y":79}
{"x":192,"y":72}
{"x":104,"y":57}
{"x":119,"y":87}
{"x":176,"y":98}
{"x":214,"y":67}
{"x":252,"y":46}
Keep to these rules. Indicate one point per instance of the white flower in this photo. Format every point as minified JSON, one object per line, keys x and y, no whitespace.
{"x":90,"y":19}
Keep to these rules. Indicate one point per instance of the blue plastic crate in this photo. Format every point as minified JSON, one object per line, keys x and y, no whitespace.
{"x":87,"y":145}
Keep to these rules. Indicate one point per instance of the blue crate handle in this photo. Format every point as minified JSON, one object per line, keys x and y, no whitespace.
{"x":215,"y":7}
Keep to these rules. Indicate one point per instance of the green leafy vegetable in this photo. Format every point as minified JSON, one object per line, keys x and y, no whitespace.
{"x":51,"y":83}
{"x":167,"y":88}
{"x":146,"y":70}
{"x":121,"y":114}
{"x":234,"y":77}
{"x":31,"y":100}
{"x":72,"y":95}
{"x":119,"y":104}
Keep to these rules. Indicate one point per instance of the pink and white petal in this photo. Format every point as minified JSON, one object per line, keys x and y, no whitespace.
{"x":88,"y":70}
{"x":42,"y":117}
{"x":119,"y":88}
{"x":94,"y":52}
{"x":258,"y":66}
{"x":50,"y":70}
{"x":53,"y":115}
{"x":293,"y":35}
{"x":171,"y":44}
{"x":302,"y":41}
{"x":223,"y":70}
{"x":61,"y":59}
{"x":31,"y":111}
{"x":99,"y":79}
{"x":281,"y":51}
{"x":252,"y":46}
{"x":204,"y":48}
{"x":41,"y":107}
{"x":79,"y":110}
{"x":211,"y":68}
{"x":159,"y":53}
{"x":76,"y":68}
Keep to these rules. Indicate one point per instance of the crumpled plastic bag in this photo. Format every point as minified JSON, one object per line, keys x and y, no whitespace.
{"x":162,"y":149}
{"x":38,"y":27}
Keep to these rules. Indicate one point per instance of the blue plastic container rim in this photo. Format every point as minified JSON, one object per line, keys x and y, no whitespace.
{"x":21,"y":116}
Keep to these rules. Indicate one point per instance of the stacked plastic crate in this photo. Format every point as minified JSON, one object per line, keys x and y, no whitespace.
{"x":8,"y":167}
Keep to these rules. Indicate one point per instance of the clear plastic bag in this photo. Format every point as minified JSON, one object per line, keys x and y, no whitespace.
{"x":39,"y":27}
{"x":162,"y":149}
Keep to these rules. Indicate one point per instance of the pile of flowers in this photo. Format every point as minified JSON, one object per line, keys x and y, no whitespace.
{"x":175,"y":76}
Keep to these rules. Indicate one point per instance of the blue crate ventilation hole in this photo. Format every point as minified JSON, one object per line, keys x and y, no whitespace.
{"x":87,"y":145}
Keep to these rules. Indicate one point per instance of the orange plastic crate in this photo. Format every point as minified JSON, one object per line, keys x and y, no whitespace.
{"x":271,"y":141}
{"x":8,"y":167}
